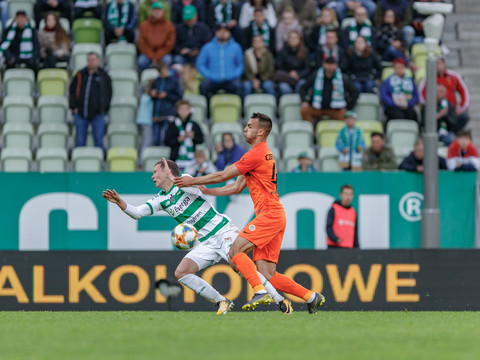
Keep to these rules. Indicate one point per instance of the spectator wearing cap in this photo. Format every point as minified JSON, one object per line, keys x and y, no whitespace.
{"x":414,"y":161}
{"x":462,"y":154}
{"x":145,"y":10}
{"x":350,"y":143}
{"x":259,"y":68}
{"x":191,"y":36}
{"x":259,"y":26}
{"x":83,"y":6}
{"x":20,"y":44}
{"x":220,"y":62}
{"x":156,"y":38}
{"x":119,"y":22}
{"x":304,"y":164}
{"x":177,"y":10}
{"x":378,"y":156}
{"x":328,"y":92}
{"x":358,"y":27}
{"x":399,"y":93}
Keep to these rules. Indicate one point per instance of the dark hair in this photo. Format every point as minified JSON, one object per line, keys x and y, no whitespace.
{"x":93,"y":53}
{"x":264,"y":3}
{"x":61,"y":35}
{"x":161,"y":65}
{"x":227,"y":134}
{"x":376,"y":133}
{"x":172,"y":165}
{"x":396,"y":21}
{"x":465,"y":133}
{"x":183,"y":102}
{"x":301,"y":52}
{"x":258,"y":9}
{"x":346,"y":186}
{"x":264,"y":122}
{"x":366,"y":52}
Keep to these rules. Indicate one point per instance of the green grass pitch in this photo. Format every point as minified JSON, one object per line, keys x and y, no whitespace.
{"x":254,"y":335}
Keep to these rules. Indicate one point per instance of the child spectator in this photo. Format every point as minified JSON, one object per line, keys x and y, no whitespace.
{"x":144,"y":119}
{"x":462,"y":154}
{"x":350,"y":144}
{"x":304,"y":164}
{"x":201,"y":166}
{"x":414,"y":161}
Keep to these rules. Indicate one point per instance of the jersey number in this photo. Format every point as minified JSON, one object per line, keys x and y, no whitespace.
{"x":274,"y":175}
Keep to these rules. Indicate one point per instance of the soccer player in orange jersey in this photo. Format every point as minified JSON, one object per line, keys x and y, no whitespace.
{"x":257,"y":170}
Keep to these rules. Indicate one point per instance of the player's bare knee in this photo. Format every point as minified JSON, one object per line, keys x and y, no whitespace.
{"x":180,"y":273}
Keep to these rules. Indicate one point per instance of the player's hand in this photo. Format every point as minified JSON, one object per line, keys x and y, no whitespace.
{"x":183,"y":181}
{"x":168,"y":172}
{"x":112,"y":196}
{"x":203,"y":189}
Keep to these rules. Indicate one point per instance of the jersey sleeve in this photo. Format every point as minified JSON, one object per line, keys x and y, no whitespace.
{"x":249,"y":161}
{"x":154,"y":204}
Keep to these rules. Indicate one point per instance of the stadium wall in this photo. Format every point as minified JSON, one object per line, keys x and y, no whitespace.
{"x":67,"y":211}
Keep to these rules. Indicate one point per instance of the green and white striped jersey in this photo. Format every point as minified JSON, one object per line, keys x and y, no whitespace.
{"x":189,"y":205}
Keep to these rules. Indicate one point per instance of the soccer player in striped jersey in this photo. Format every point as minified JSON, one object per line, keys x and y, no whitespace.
{"x":189,"y":205}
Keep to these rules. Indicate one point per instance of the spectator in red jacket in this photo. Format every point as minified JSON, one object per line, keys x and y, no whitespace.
{"x":454,"y":84}
{"x":462,"y":154}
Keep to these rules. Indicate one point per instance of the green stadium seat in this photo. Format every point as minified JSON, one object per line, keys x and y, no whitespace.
{"x":80,"y":52}
{"x":16,"y":5}
{"x":368,"y":127}
{"x":153,"y":154}
{"x":402,"y":133}
{"x":289,"y":107}
{"x":260,"y":103}
{"x":17,"y":135}
{"x":52,"y":160}
{"x":273,"y":137}
{"x":420,"y":74}
{"x":328,"y":159}
{"x":53,"y":135}
{"x":401,"y":153}
{"x":297,"y":132}
{"x":218,"y":129}
{"x":419,"y":53}
{"x":87,"y":30}
{"x":367,"y":106}
{"x":121,"y":56}
{"x":205,"y":132}
{"x":442,"y":151}
{"x":52,"y":109}
{"x":52,"y":82}
{"x":123,"y":109}
{"x":199,"y":107}
{"x":225,"y":108}
{"x":290,"y":156}
{"x":327,"y":131}
{"x":122,"y":159}
{"x":17,"y":109}
{"x":16,"y":159}
{"x":124,"y":82}
{"x":122,"y":135}
{"x":87,"y":159}
{"x":147,"y":75}
{"x":19,"y":82}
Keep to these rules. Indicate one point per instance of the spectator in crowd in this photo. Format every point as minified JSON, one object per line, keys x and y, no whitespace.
{"x":183,"y":134}
{"x":288,"y":24}
{"x":292,"y":64}
{"x":226,"y":12}
{"x":54,"y":42}
{"x":191,"y":36}
{"x":304,"y":164}
{"x":389,"y":40}
{"x":446,"y":116}
{"x":61,"y":8}
{"x":20,"y":43}
{"x":462,"y":154}
{"x":350,"y":143}
{"x":318,"y":36}
{"x":259,"y":68}
{"x":259,"y":26}
{"x":221,"y":64}
{"x":165,"y":93}
{"x":402,"y":9}
{"x":90,"y":96}
{"x":343,"y":7}
{"x":201,"y":166}
{"x":327,"y":92}
{"x":177,"y":10}
{"x":228,"y":152}
{"x":363,"y":66}
{"x":414,"y":161}
{"x":455,"y":87}
{"x":399,"y":93}
{"x":358,"y":27}
{"x":82,"y":7}
{"x":246,"y":13}
{"x":119,"y":22}
{"x":378,"y":156}
{"x":305,"y":10}
{"x":144,"y":119}
{"x":342,"y":226}
{"x":145,"y":10}
{"x":156,"y":38}
{"x":331,"y":48}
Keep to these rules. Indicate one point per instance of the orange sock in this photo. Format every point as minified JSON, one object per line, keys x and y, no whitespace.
{"x":287,"y":285}
{"x":249,"y":271}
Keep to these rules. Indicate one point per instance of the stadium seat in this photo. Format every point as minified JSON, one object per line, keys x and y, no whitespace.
{"x":442,"y":151}
{"x":121,"y":56}
{"x":367,"y":106}
{"x":419,"y":50}
{"x":123,"y":109}
{"x":122,"y":159}
{"x":52,"y":159}
{"x":16,"y":5}
{"x":327,"y":131}
{"x":63,"y":21}
{"x":20,"y":82}
{"x":290,"y":156}
{"x":276,"y":155}
{"x":52,"y":82}
{"x":273,"y":137}
{"x":199,"y":107}
{"x":386,"y":72}
{"x":368,"y":127}
{"x":124,"y":82}
{"x":87,"y":159}
{"x":260,"y":103}
{"x":402,"y":133}
{"x":17,"y":109}
{"x":17,"y":135}
{"x":52,"y":109}
{"x":80,"y":52}
{"x":87,"y":30}
{"x":225,"y":108}
{"x":297,"y":132}
{"x":147,"y":75}
{"x":328,"y":159}
{"x":289,"y":107}
{"x":89,"y":142}
{"x":420,"y":74}
{"x":205,"y":132}
{"x":151,"y":155}
{"x":51,"y":135}
{"x":16,"y":159}
{"x":401,"y":153}
{"x":218,"y":129}
{"x":122,"y":135}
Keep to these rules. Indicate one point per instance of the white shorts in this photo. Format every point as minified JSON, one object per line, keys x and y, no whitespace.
{"x":214,"y":249}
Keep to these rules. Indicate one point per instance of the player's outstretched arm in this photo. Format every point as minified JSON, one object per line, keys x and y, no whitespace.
{"x":230,"y":189}
{"x":135,"y":212}
{"x":113,"y":197}
{"x":214,"y":178}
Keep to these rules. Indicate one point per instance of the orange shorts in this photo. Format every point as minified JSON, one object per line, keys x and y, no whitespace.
{"x":266,"y":232}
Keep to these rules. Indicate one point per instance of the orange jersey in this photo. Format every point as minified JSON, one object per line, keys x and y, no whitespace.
{"x":258,"y":166}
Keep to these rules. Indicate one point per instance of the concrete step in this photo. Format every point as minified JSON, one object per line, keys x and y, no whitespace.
{"x":467,"y":6}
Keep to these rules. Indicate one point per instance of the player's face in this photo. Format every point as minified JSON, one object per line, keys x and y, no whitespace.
{"x":250,"y":132}
{"x":346,"y":197}
{"x":159,"y":176}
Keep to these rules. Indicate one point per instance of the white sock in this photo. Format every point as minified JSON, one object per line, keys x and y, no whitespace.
{"x":311,"y":298}
{"x":270,"y":289}
{"x":201,"y":287}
